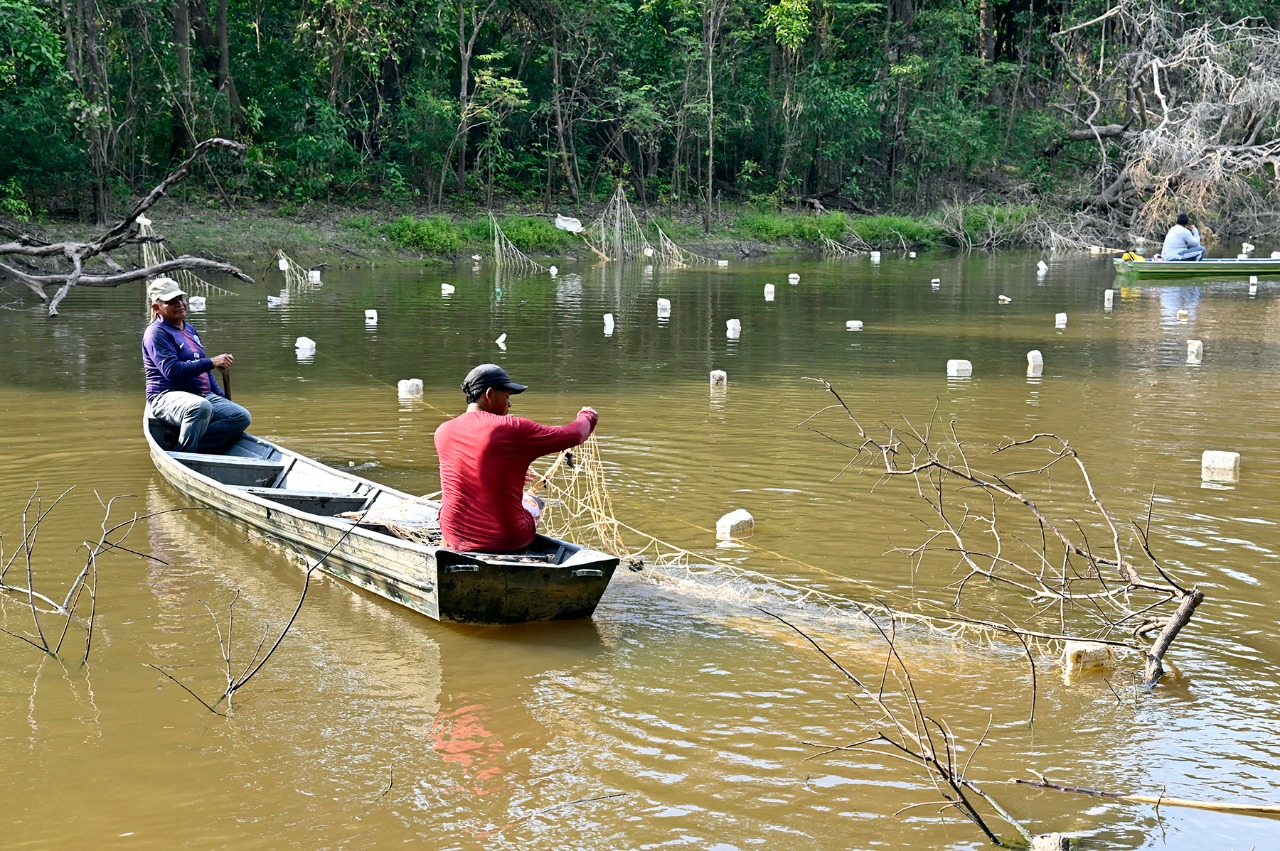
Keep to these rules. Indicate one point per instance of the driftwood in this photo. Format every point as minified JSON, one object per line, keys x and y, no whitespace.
{"x":35,"y":254}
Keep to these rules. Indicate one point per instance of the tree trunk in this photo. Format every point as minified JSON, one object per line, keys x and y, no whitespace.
{"x":182,"y":137}
{"x":557,"y":86}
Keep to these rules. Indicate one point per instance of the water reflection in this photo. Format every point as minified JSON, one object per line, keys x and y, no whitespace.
{"x":373,"y":724}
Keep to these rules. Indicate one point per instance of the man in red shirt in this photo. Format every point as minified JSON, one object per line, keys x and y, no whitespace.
{"x":484,"y":462}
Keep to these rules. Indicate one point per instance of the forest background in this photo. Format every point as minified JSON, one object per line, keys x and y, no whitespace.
{"x":966,"y":122}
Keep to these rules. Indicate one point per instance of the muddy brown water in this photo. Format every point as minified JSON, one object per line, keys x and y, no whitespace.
{"x":681,"y":714}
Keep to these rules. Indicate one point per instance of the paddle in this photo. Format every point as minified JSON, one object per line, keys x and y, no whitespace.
{"x":226,"y":380}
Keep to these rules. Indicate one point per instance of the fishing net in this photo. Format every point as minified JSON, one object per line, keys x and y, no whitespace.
{"x":579,"y":509}
{"x":618,"y":233}
{"x":831,"y":248}
{"x":507,"y":256}
{"x":674,"y":255}
{"x":295,"y":277}
{"x":155,"y":253}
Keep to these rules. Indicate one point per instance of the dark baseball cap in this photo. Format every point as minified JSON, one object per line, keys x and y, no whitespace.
{"x":488,"y":375}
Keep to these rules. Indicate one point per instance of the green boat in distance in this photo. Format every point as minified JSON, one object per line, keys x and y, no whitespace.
{"x":1224,"y":267}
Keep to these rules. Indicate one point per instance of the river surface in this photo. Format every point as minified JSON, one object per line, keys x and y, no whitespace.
{"x":684,"y":714}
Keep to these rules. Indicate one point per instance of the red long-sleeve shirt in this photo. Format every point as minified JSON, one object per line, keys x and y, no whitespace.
{"x":484,"y":459}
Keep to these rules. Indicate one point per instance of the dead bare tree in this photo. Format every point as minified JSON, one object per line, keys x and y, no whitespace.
{"x":44,"y":265}
{"x":1184,"y":118}
{"x":1041,"y":557}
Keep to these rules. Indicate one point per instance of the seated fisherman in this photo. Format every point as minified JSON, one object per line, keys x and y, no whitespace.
{"x":181,"y":389}
{"x":1183,"y":241}
{"x":484,"y":463}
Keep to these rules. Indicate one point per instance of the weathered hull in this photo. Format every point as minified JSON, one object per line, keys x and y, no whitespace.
{"x":1215,"y":268}
{"x":435,"y":581}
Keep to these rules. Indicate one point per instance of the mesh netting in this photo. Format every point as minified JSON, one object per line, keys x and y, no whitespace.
{"x":509,"y":258}
{"x":831,"y":248}
{"x":618,"y":234}
{"x":579,"y":509}
{"x":674,"y":255}
{"x":154,"y":253}
{"x":295,"y":277}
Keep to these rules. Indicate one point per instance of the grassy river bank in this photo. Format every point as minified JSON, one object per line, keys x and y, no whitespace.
{"x":314,"y":234}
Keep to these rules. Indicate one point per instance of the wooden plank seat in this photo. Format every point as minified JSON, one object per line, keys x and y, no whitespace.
{"x":312,"y":502}
{"x":233,"y":470}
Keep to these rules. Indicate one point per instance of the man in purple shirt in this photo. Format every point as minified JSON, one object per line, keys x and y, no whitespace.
{"x":181,"y":389}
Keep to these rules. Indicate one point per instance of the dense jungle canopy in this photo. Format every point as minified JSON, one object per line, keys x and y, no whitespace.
{"x":1119,"y":112}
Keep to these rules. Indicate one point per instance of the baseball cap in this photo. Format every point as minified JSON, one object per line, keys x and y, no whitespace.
{"x":163,"y":289}
{"x":488,"y":375}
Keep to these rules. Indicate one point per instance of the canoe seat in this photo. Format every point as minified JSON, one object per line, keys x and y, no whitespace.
{"x":232,"y":470}
{"x":312,"y":502}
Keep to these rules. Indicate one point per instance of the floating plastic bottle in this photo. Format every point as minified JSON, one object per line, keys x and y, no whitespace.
{"x":1035,"y":363}
{"x":1219,"y":466}
{"x":736,"y":524}
{"x":409,"y":388}
{"x":1108,"y":298}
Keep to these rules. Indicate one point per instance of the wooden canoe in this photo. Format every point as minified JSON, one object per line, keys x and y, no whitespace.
{"x":294,"y":499}
{"x":1218,"y":267}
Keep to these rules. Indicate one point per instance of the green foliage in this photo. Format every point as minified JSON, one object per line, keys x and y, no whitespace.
{"x":791,"y":227}
{"x":893,"y":106}
{"x":12,"y":204}
{"x":895,"y":230}
{"x":982,"y":218}
{"x":533,"y":234}
{"x":432,"y":235}
{"x":40,"y":157}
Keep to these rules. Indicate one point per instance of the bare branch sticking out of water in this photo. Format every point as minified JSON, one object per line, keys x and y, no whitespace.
{"x":258,"y":659}
{"x":1041,"y":553}
{"x":920,"y":739}
{"x":1159,"y":800}
{"x":111,"y":538}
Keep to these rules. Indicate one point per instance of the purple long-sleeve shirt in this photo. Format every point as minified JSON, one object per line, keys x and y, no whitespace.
{"x":174,"y":359}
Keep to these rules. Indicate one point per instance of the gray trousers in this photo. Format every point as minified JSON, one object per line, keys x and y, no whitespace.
{"x":206,"y":423}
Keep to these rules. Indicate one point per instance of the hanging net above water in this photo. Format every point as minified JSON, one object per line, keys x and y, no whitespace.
{"x":831,"y":248}
{"x":295,"y":277}
{"x":507,"y":256}
{"x":618,"y":233}
{"x":154,"y":253}
{"x":674,"y":255}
